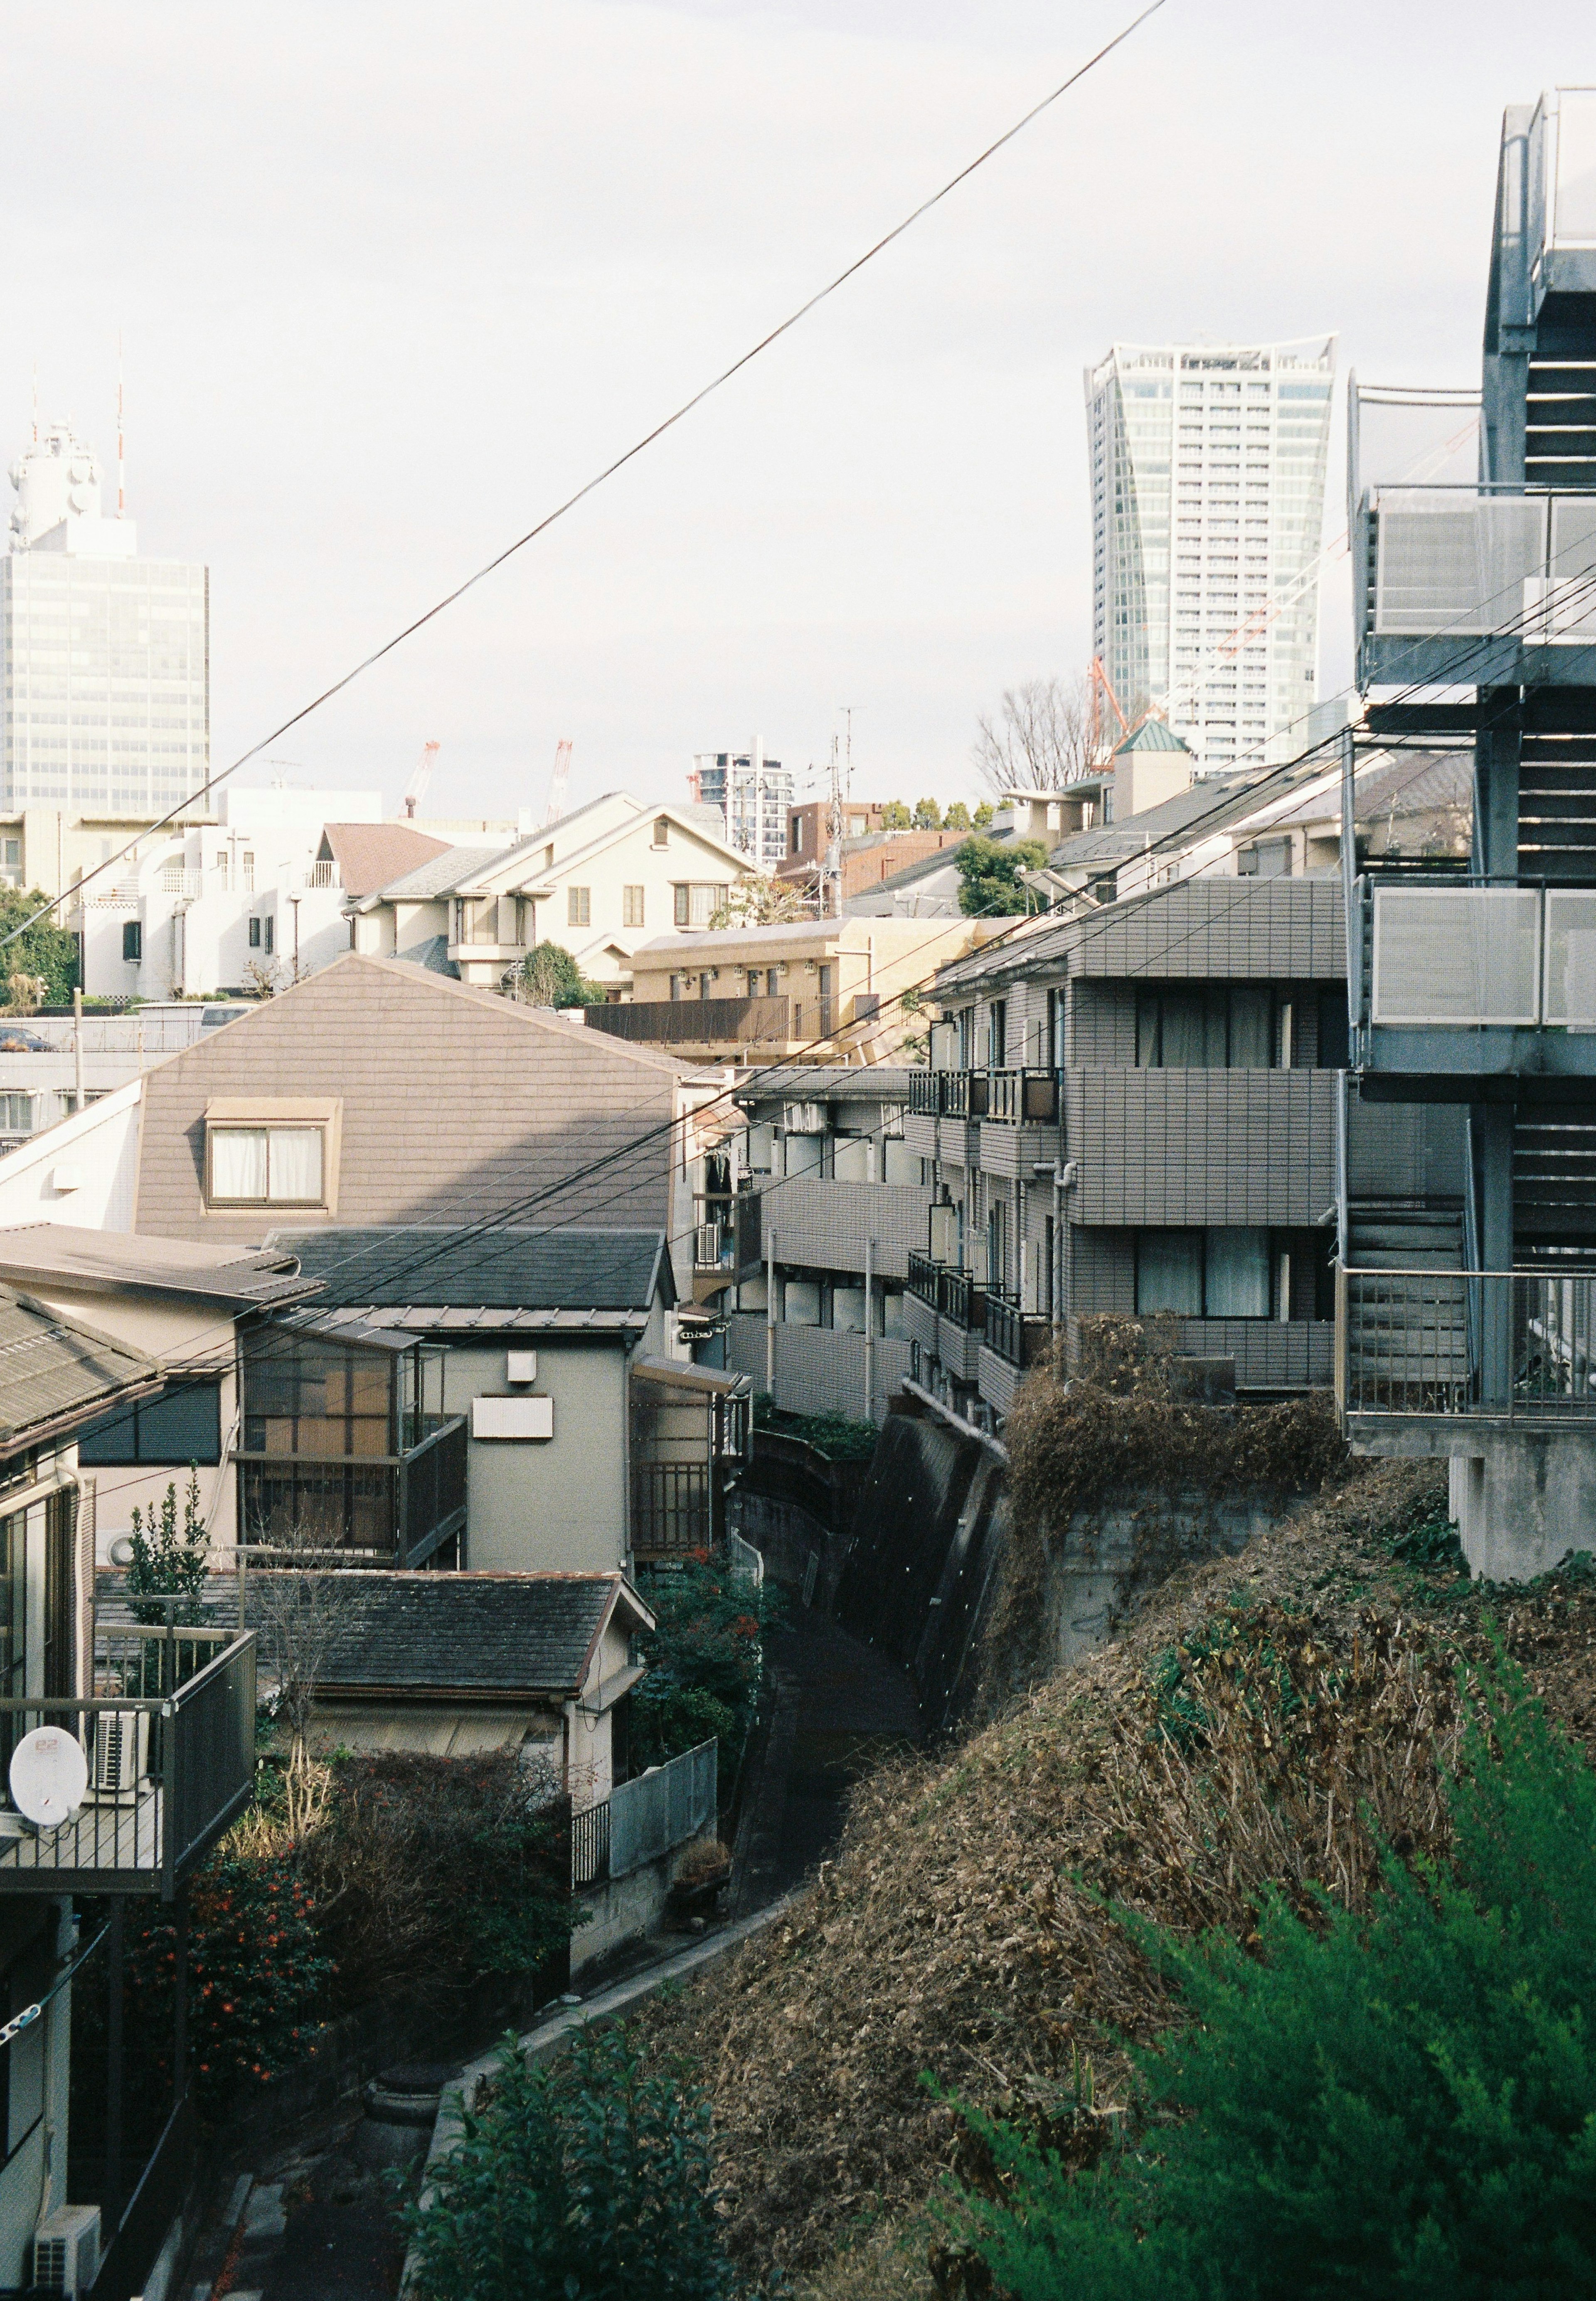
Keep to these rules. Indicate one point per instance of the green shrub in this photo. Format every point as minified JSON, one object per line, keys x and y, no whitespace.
{"x":1396,"y":2103}
{"x":704,"y":1657}
{"x":44,"y":950}
{"x":586,"y":2181}
{"x":989,"y":871}
{"x":836,"y":1435}
{"x":168,"y":1561}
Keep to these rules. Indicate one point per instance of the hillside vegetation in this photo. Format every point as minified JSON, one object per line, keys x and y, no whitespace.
{"x":1267,"y":1717}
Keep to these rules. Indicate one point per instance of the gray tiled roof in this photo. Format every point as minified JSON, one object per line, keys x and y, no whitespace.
{"x":46,"y":1254}
{"x":440,"y":875}
{"x":52,"y":1368}
{"x":442,"y":1633}
{"x":481,"y":1269}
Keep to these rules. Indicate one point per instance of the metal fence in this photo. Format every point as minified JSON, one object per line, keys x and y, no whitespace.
{"x":591,"y":1846}
{"x":1515,"y":1345}
{"x":695,"y":1022}
{"x":662,"y":1809}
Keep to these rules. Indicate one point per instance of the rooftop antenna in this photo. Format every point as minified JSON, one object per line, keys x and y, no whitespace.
{"x":121,"y":469}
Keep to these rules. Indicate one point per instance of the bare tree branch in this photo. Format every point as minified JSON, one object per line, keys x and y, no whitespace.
{"x":1041,"y":738}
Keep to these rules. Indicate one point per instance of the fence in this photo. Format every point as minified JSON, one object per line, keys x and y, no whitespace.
{"x":695,"y":1022}
{"x":642,"y":1820}
{"x":672,"y":1509}
{"x":1510,"y":1344}
{"x":591,"y":1846}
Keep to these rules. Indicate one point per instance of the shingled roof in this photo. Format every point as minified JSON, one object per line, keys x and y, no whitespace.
{"x":54,"y":1374}
{"x":475,"y":1268}
{"x":437,"y":1635}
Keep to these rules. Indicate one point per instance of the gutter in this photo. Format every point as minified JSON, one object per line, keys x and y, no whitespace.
{"x":994,"y":1446}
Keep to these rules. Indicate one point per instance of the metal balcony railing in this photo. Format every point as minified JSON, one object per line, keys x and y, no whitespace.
{"x":924,"y":1278}
{"x":169,"y":1738}
{"x":925,"y":1093}
{"x":322,"y":875}
{"x":1515,"y":955}
{"x":368,"y":1510}
{"x":696,"y":1022}
{"x":1010,"y":1335}
{"x":1510,"y":1345}
{"x":1019,"y":1097}
{"x":963,"y":1303}
{"x":672,"y":1509}
{"x":175,"y":880}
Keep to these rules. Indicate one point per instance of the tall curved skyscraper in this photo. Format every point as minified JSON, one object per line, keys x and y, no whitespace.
{"x":1207,"y":502}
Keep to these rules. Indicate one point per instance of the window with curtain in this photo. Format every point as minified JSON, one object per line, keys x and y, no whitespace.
{"x":1236,"y":1274}
{"x":1203,"y":1274}
{"x":695,"y":905}
{"x":266,"y":1166}
{"x":1169,"y":1272}
{"x":631,"y":906}
{"x":1207,"y":1026}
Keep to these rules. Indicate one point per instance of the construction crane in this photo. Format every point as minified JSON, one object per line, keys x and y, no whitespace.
{"x":558,"y":784}
{"x":415,"y":789}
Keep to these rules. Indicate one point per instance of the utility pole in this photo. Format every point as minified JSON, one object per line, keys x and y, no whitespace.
{"x":830,"y":885}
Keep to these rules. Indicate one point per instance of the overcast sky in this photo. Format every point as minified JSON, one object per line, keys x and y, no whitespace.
{"x":392,"y":279}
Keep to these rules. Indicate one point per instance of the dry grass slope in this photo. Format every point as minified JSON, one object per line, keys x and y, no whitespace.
{"x":1253,"y":1717}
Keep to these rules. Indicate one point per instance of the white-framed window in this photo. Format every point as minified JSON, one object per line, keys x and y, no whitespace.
{"x":632,"y":906}
{"x":16,"y":1113}
{"x":579,"y":907}
{"x":662,"y":830}
{"x":266,"y":1165}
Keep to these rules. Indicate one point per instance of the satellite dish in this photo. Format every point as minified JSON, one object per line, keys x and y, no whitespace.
{"x":49,"y":1776}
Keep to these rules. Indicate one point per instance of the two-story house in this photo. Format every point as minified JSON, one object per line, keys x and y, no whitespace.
{"x":600,"y":883}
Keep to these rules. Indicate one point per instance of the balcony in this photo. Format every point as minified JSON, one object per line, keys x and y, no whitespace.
{"x":709,"y":1023}
{"x":1477,"y":586}
{"x":360,"y":1509}
{"x":1502,"y":1346}
{"x":924,"y":1278}
{"x":1007,"y":1097}
{"x":1475,"y":979}
{"x":1017,"y":1340}
{"x":952,"y":1294}
{"x":675,"y":1508}
{"x":169,"y":1735}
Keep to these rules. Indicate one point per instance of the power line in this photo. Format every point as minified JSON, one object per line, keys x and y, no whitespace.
{"x":669,"y":423}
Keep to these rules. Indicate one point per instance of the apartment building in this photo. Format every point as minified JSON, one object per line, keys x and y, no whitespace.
{"x":1134,"y":1112}
{"x":601,"y":882}
{"x":824,"y":1205}
{"x":752,"y":794}
{"x":1475,"y":992}
{"x":809,"y":990}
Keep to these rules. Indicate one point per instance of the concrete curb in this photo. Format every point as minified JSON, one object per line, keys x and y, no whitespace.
{"x":541,"y":2044}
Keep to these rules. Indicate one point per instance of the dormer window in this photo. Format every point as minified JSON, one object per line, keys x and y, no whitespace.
{"x":271,"y":1151}
{"x":662,"y":830}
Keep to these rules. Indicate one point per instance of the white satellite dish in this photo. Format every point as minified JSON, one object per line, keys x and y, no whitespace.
{"x":49,"y":1776}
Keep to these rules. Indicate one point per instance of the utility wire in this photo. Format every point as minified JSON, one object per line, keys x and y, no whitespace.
{"x":609,"y":471}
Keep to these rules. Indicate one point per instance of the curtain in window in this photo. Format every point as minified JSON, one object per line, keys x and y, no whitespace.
{"x":1238,"y":1274}
{"x":1185,"y":1031}
{"x":295,"y":1163}
{"x":238,"y":1162}
{"x":1252,"y":1028}
{"x":1169,"y":1272}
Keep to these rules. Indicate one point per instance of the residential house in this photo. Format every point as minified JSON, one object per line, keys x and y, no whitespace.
{"x":809,"y":990}
{"x":457,"y":1665}
{"x":836,"y":1204}
{"x":930,"y":888}
{"x":1135,"y":1111}
{"x":188,"y":1307}
{"x":600,"y":883}
{"x":867,"y":852}
{"x":1476,"y":990}
{"x":531,"y":1344}
{"x":161,"y":1731}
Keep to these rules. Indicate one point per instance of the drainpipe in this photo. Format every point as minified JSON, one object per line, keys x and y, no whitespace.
{"x":870,"y":1330}
{"x":77,"y":1046}
{"x":770,"y":1312}
{"x":1062,"y":1173}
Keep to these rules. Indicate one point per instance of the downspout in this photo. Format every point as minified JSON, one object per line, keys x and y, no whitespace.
{"x":870,"y":1330}
{"x":770,"y":1313}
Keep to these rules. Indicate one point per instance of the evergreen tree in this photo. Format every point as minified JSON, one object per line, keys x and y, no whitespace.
{"x":989,"y":872}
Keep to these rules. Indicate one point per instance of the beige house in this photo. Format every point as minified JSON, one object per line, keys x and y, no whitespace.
{"x":822,"y":991}
{"x":182,"y":1306}
{"x":600,"y":883}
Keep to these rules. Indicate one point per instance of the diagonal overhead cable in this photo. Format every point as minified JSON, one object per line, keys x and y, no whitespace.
{"x":619,"y":463}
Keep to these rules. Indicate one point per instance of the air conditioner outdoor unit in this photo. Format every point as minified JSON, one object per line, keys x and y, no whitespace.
{"x":66,"y":2250}
{"x":122,"y":1751}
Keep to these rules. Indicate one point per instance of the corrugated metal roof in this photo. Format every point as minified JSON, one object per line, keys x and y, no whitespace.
{"x":102,"y":1261}
{"x":55,"y":1371}
{"x":472,"y":1270}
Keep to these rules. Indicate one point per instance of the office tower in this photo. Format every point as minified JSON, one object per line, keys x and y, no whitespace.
{"x":107,"y":657}
{"x":752,"y":794}
{"x":1208,"y":497}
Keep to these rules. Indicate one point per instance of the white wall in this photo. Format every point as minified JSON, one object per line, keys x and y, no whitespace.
{"x":100,"y":1146}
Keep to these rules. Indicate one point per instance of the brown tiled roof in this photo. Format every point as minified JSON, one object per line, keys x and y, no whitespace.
{"x":368,"y":855}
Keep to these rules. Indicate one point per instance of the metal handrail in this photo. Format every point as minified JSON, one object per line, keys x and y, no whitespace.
{"x":1506,"y":1344}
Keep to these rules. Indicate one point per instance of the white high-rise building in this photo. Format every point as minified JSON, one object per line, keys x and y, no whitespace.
{"x":752,"y":794}
{"x":106,"y":708}
{"x":1208,"y":499}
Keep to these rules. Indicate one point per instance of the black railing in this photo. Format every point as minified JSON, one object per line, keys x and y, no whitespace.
{"x":432,"y":1492}
{"x":1010,"y":1335}
{"x":1019,"y":1097}
{"x":167,"y":1772}
{"x":672,"y":1509}
{"x":963,"y":1302}
{"x":924,"y":1279}
{"x":695,"y":1022}
{"x":964,"y":1094}
{"x":590,"y":1846}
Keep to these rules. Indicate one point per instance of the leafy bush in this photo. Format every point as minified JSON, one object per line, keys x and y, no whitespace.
{"x":44,"y":950}
{"x":703,"y":1657}
{"x":1400,"y":2103}
{"x":548,"y":976}
{"x":257,"y":1977}
{"x":168,"y":1562}
{"x":837,"y":1435}
{"x":588,"y":2181}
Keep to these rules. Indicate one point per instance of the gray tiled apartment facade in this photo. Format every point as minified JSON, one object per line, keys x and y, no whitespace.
{"x":1193,"y":1040}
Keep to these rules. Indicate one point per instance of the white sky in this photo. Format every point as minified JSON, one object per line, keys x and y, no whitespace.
{"x":393,"y":279}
